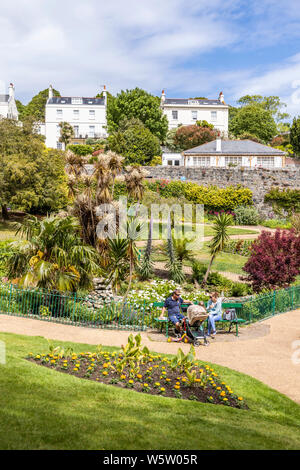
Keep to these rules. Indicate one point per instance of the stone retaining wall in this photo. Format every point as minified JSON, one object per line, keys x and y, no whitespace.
{"x":259,"y":180}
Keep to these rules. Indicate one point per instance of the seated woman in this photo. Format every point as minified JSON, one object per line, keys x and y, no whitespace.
{"x":214,"y":308}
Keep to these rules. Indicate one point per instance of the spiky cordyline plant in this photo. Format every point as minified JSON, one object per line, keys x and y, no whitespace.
{"x":221,"y":224}
{"x":147,"y":265}
{"x":173,"y":265}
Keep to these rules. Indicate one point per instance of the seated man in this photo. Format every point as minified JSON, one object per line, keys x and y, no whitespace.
{"x":173,"y":304}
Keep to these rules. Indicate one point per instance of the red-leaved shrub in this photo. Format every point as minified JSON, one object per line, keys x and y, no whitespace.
{"x":274,"y":260}
{"x":188,"y":137}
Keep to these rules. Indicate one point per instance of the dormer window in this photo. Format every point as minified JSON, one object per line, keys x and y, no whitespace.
{"x":76,"y":100}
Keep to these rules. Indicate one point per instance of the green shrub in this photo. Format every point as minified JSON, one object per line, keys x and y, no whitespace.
{"x":287,"y":199}
{"x":81,"y":150}
{"x":277,"y":223}
{"x":246,"y":215}
{"x":240,"y":247}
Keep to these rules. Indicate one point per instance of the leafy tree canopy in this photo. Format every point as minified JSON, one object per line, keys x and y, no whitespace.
{"x":295,"y":135}
{"x":138,"y":104}
{"x":254,"y":119}
{"x":269,"y":103}
{"x":36,"y":107}
{"x":32,"y":178}
{"x":134,"y":142}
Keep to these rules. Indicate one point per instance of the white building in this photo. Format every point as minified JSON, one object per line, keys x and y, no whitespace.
{"x":86,"y":115}
{"x":8,"y":107}
{"x":182,"y":111}
{"x":234,"y":153}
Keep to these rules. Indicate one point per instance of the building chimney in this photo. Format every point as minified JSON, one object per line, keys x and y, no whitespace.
{"x":218,"y":144}
{"x":50,"y":93}
{"x":221,"y":97}
{"x":105,"y":94}
{"x":11,"y":90}
{"x":163,"y":97}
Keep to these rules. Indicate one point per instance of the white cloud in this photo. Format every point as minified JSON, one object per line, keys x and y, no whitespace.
{"x":78,"y":46}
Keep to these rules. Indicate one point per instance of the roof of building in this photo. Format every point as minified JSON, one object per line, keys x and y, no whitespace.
{"x":234,"y":147}
{"x":186,"y":101}
{"x":61,"y":100}
{"x":4,"y":98}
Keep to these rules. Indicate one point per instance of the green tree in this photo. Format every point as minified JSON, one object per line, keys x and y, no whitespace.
{"x":32,"y":178}
{"x":136,"y":144}
{"x":256,"y":120}
{"x":36,"y":107}
{"x":138,"y":104}
{"x":273,"y":104}
{"x":295,"y":135}
{"x":66,"y":132}
{"x":52,"y":255}
{"x":221,"y":224}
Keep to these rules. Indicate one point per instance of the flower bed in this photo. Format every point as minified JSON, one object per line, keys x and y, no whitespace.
{"x":181,"y":377}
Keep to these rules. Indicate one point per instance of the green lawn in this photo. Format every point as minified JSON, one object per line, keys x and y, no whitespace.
{"x":7,"y":231}
{"x":45,"y":409}
{"x":160,"y":231}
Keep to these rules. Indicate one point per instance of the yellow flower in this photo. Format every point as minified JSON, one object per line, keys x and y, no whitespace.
{"x":225,"y":399}
{"x":240,"y":398}
{"x":104,"y":372}
{"x":105,"y":366}
{"x":162,"y":389}
{"x":75,"y":368}
{"x":123,"y":377}
{"x":130,"y":381}
{"x":146,"y":385}
{"x":176,"y":387}
{"x":139,"y":376}
{"x":157,"y":384}
{"x":53,"y":361}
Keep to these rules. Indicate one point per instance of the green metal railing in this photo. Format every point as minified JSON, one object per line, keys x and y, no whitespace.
{"x":71,"y":309}
{"x":266,"y":305}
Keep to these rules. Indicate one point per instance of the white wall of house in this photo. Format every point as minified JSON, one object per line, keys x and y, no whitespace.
{"x":8,"y":106}
{"x":88,"y":120}
{"x":187,"y":115}
{"x":172,"y":159}
{"x":244,"y":161}
{"x":213,"y":111}
{"x":3,"y":109}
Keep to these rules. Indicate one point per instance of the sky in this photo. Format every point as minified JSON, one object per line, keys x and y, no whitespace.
{"x":187,"y":47}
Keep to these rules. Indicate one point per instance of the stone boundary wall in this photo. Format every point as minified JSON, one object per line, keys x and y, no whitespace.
{"x":259,"y":180}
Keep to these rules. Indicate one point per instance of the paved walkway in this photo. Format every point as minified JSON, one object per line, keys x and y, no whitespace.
{"x":263,"y":350}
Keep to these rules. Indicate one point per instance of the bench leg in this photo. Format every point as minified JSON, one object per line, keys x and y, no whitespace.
{"x":167,"y":330}
{"x":237,"y":329}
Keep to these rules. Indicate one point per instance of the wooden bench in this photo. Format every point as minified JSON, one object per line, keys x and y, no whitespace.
{"x":237,"y":321}
{"x":225,"y":306}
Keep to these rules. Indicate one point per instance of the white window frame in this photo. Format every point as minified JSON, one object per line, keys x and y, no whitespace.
{"x":76,"y":100}
{"x":266,"y":162}
{"x":214,"y":116}
{"x":201,"y":161}
{"x":59,"y":114}
{"x":91,"y":133}
{"x":92,"y":114}
{"x":76,"y":131}
{"x":194,"y":115}
{"x":174,"y":114}
{"x":76,"y":114}
{"x":235,"y":160}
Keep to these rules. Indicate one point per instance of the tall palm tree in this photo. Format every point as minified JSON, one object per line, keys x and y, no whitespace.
{"x":221,"y":224}
{"x":52,"y":255}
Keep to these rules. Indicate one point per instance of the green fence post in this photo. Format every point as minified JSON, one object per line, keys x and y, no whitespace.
{"x":293,"y":295}
{"x":274,"y":302}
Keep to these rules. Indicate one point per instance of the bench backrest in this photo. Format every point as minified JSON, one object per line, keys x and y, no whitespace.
{"x":225,"y":305}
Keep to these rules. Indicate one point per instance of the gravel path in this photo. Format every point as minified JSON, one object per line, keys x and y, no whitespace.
{"x":263,"y":350}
